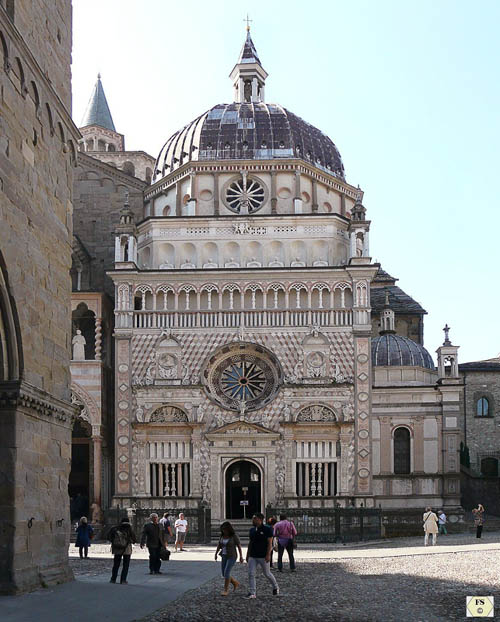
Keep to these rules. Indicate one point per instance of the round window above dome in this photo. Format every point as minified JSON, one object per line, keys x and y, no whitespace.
{"x":249,"y":131}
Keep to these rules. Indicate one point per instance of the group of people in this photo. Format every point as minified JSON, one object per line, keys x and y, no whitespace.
{"x":263,"y":539}
{"x":436,"y":523}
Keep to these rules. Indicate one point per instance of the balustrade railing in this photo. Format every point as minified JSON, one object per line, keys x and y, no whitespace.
{"x":235,"y":318}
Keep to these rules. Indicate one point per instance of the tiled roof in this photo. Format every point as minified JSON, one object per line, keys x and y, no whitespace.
{"x":394,"y":350}
{"x":487,"y":365}
{"x":98,"y":112}
{"x":399,"y":301}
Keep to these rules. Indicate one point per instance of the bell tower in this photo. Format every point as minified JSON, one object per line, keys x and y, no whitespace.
{"x":248,"y":75}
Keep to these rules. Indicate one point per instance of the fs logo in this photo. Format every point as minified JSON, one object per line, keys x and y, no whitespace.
{"x":480,"y":606}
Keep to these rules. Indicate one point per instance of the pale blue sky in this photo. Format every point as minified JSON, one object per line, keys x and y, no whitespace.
{"x":408,"y":91}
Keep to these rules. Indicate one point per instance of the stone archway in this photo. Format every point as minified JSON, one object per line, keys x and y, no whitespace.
{"x":11,"y":359}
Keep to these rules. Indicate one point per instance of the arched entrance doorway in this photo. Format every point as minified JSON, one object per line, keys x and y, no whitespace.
{"x":79,"y":477}
{"x":243,"y":483}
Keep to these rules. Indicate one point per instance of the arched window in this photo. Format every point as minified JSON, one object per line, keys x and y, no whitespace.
{"x":402,"y":463}
{"x":482,"y":407}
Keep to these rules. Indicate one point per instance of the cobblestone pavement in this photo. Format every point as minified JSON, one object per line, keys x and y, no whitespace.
{"x":428,"y":588}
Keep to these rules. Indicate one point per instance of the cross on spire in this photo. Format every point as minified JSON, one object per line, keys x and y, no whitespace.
{"x":248,"y":21}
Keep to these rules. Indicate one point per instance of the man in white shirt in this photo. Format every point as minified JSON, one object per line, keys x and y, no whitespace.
{"x":181,"y":527}
{"x":442,"y":522}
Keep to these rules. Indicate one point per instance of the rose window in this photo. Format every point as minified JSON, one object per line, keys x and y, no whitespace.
{"x":242,"y":377}
{"x":245,"y":195}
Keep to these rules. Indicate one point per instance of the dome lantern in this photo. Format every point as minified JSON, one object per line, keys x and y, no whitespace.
{"x":248,"y":75}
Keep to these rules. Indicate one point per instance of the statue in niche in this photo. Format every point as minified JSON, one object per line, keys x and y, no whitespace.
{"x":297,"y":263}
{"x":287,"y":413}
{"x":276,"y":263}
{"x":247,"y":91}
{"x":139,"y":415}
{"x":200,"y":413}
{"x":210,"y":264}
{"x":187,"y":264}
{"x":348,"y":412}
{"x":280,"y":483}
{"x":79,"y":343}
{"x":167,"y":366}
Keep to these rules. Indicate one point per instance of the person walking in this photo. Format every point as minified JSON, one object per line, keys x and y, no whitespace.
{"x":259,"y":554}
{"x":478,"y":519}
{"x":285,"y":531}
{"x":121,"y":537}
{"x":228,"y":543}
{"x":166,"y":526}
{"x":153,"y":536}
{"x":430,"y":526}
{"x":181,"y":527}
{"x":442,"y":523}
{"x":84,"y":534}
{"x":271,"y":522}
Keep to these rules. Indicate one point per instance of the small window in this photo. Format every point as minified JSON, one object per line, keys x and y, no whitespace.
{"x":483,"y":407}
{"x":402,"y":451}
{"x":489,"y":467}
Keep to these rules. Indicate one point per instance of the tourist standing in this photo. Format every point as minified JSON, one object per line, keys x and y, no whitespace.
{"x":259,"y":554}
{"x":430,"y":526}
{"x":285,"y":531}
{"x":271,"y":522}
{"x":84,"y":534}
{"x":121,"y":537}
{"x":442,"y":523}
{"x":478,"y":519}
{"x":228,"y":543}
{"x":153,"y":536}
{"x":166,"y":526}
{"x":181,"y":527}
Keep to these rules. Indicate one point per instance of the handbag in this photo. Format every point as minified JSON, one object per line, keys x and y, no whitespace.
{"x":164,"y":554}
{"x":275,"y":545}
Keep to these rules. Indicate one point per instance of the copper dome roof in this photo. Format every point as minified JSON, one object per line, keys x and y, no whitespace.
{"x":249,"y":131}
{"x":393,"y":350}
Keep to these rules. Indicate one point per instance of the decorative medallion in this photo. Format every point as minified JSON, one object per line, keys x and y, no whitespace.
{"x":363,"y":453}
{"x":123,"y":440}
{"x":123,"y":387}
{"x":362,"y":358}
{"x":362,"y":397}
{"x":123,"y":405}
{"x":363,"y":473}
{"x":123,"y":368}
{"x":363,"y":415}
{"x":123,"y":476}
{"x":363,"y":434}
{"x":242,"y":377}
{"x":362,"y":376}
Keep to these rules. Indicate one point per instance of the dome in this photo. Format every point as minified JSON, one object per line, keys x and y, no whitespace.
{"x":394,"y":350}
{"x":249,"y":131}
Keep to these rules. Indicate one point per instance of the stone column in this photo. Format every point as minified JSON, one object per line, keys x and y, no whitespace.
{"x":216,"y":193}
{"x":98,"y":338}
{"x":315,"y":205}
{"x":297,"y":202}
{"x":178,"y":199}
{"x":274,"y":199}
{"x":97,"y":450}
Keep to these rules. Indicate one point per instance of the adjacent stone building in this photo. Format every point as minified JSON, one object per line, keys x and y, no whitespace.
{"x":37,"y":161}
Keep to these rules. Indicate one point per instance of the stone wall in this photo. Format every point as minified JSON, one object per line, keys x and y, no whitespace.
{"x":482,"y":434}
{"x":99,"y":194}
{"x":37,"y":158}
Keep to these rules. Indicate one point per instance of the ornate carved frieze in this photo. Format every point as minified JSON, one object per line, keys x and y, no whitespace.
{"x":166,"y":414}
{"x":317,"y":412}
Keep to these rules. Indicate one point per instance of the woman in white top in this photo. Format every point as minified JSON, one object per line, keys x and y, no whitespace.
{"x":430,"y":525}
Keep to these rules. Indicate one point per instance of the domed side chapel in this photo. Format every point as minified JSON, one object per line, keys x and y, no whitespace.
{"x":260,"y":356}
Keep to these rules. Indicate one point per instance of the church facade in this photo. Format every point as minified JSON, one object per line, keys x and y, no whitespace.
{"x":252,"y":368}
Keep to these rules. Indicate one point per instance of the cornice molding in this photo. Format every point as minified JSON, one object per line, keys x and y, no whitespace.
{"x":20,"y":394}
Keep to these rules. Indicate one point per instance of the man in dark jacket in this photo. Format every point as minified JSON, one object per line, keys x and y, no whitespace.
{"x":153,"y":536}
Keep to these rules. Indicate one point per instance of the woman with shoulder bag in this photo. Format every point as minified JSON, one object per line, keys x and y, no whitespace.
{"x":430,"y":526}
{"x":122,"y":537}
{"x":228,"y":543}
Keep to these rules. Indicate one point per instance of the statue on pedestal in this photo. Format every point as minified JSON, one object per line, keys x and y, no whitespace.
{"x":79,"y":342}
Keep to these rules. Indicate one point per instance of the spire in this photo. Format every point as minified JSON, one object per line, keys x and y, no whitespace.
{"x":248,"y":52}
{"x":387,"y":317}
{"x":248,"y":75}
{"x":97,"y":112}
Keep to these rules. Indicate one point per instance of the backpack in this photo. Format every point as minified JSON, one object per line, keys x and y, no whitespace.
{"x":120,"y":539}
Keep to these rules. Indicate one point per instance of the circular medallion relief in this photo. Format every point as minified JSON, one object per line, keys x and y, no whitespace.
{"x":123,"y":368}
{"x":242,"y":377}
{"x":363,"y":434}
{"x":363,"y":473}
{"x":123,"y":476}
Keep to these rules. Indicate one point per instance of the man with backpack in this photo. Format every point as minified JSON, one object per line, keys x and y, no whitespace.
{"x":121,"y":537}
{"x":153,"y":536}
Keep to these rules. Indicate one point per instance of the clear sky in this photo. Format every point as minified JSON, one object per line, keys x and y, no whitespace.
{"x":409,"y":91}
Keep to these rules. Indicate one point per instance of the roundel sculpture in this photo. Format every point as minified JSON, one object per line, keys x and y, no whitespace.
{"x":242,"y":377}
